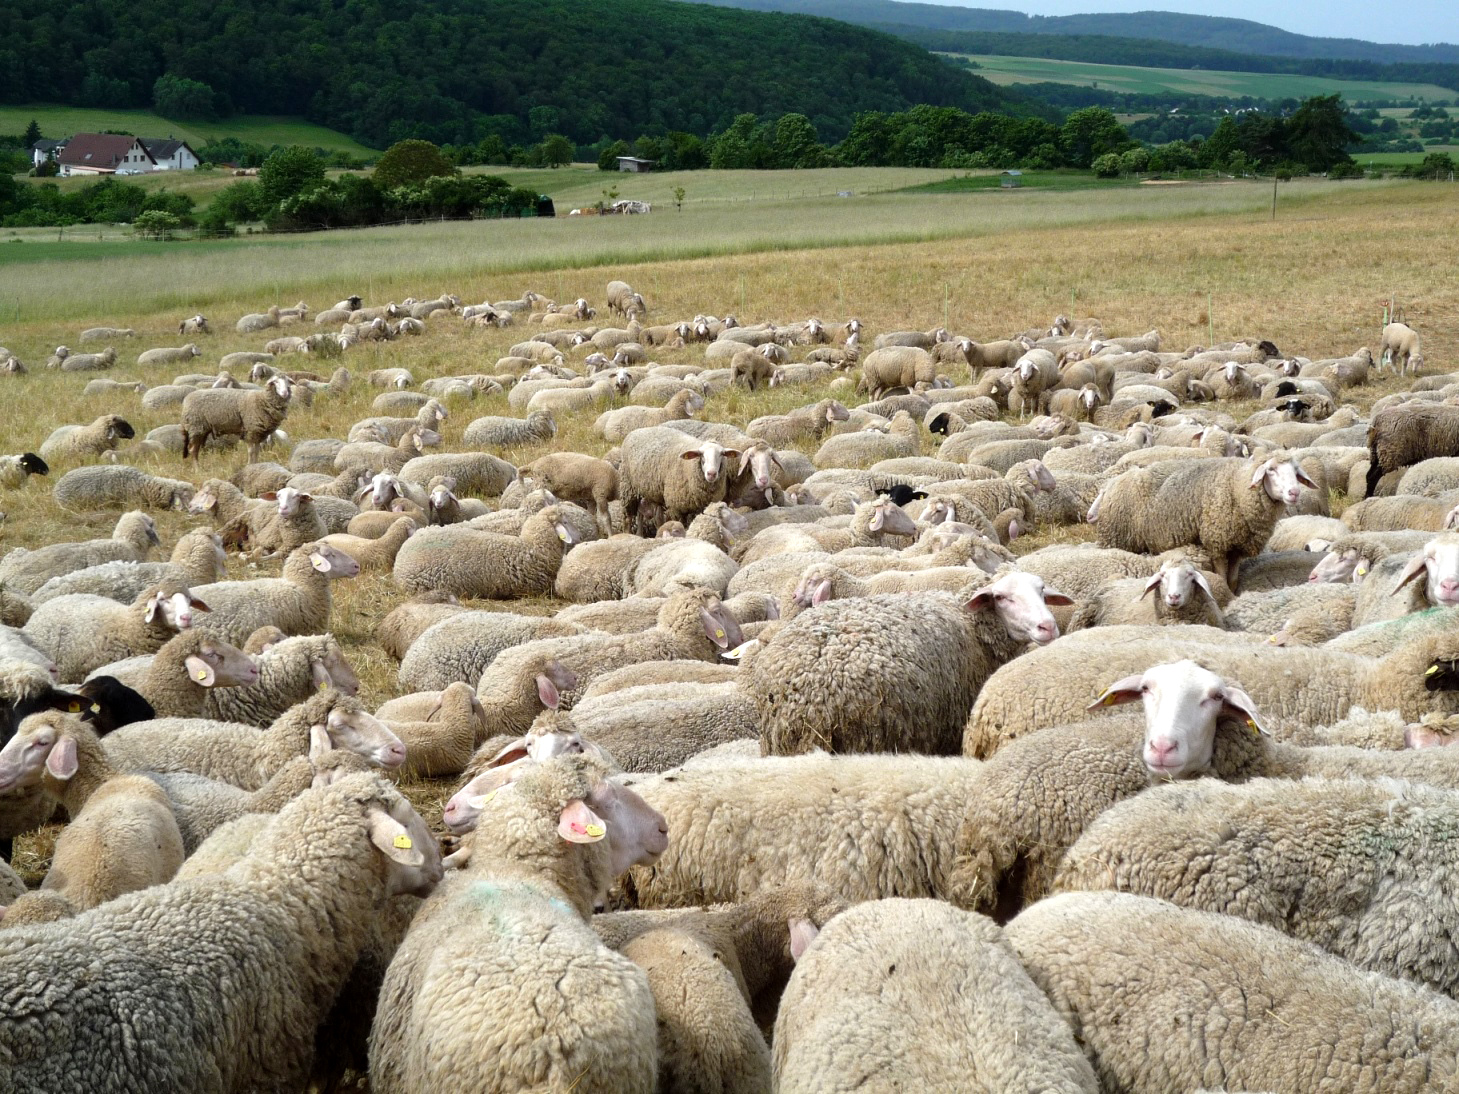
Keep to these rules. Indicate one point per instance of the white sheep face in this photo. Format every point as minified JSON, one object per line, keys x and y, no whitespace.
{"x":1439,"y":564}
{"x":1183,"y":703}
{"x":1282,"y":480}
{"x":1021,"y":601}
{"x":1177,"y":583}
{"x":365,"y":735}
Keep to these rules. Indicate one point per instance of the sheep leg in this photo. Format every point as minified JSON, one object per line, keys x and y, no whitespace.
{"x":1375,"y":472}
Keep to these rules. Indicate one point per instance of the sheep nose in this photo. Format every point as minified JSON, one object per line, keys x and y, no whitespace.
{"x":393,"y":755}
{"x":1161,"y":749}
{"x":1449,"y":588}
{"x":1046,"y":632}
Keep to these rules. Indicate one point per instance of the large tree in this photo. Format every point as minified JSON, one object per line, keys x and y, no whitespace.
{"x":410,"y":161}
{"x":289,"y":171}
{"x":1318,"y":133}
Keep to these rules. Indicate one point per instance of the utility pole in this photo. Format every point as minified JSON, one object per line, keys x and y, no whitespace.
{"x":1274,"y":197}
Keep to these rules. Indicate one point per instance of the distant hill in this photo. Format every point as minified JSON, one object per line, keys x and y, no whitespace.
{"x":459,"y":70}
{"x":1211,"y":32}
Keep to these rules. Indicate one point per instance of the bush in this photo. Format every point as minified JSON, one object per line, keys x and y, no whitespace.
{"x":608,"y":158}
{"x":1348,"y":170}
{"x":1106,"y":166}
{"x":156,"y":225}
{"x":411,"y":161}
{"x":289,"y":171}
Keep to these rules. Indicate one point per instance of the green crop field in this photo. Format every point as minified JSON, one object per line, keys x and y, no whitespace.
{"x":1400,"y":159}
{"x":1032,"y":70}
{"x":62,"y":121}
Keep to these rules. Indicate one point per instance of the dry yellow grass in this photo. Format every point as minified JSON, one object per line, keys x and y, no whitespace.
{"x":1314,"y":283}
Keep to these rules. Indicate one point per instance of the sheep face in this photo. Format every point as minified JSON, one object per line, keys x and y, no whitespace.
{"x":1021,"y":602}
{"x":711,"y":457}
{"x":332,"y":562}
{"x":889,"y":519}
{"x":1340,"y":566}
{"x":365,"y":735}
{"x":1439,"y":563}
{"x":290,"y":500}
{"x":39,"y":746}
{"x":177,"y":610}
{"x":220,"y":665}
{"x":331,"y":670}
{"x":1183,"y":703}
{"x":1176,"y":584}
{"x":1281,"y":479}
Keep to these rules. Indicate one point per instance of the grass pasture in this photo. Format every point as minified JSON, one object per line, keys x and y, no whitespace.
{"x":63,"y":121}
{"x":1133,"y":78}
{"x":1193,"y":261}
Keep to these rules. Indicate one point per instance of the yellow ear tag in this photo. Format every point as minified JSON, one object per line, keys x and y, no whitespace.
{"x":719,"y":632}
{"x":1109,"y":701}
{"x":487,"y":799}
{"x":74,"y":708}
{"x":403,"y":842}
{"x":320,"y":563}
{"x":562,"y":535}
{"x":323,"y":684}
{"x":1363,"y":570}
{"x":202,"y":675}
{"x":595,"y":829}
{"x":1431,"y":670}
{"x":95,"y":708}
{"x":1251,"y":725}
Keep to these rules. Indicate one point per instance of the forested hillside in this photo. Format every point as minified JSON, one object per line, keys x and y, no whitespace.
{"x":1209,"y":32}
{"x":459,"y":70}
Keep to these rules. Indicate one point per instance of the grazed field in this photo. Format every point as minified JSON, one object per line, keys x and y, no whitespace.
{"x":62,"y":121}
{"x":1257,"y":85}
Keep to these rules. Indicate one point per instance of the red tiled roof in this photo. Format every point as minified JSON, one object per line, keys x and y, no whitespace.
{"x":100,"y":151}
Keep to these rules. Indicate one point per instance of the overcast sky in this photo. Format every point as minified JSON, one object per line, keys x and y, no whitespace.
{"x":1409,"y":21}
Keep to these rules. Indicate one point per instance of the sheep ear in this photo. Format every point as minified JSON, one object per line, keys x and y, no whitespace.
{"x":1260,"y":473}
{"x":981,"y":599}
{"x":879,"y":519}
{"x":319,"y":562}
{"x":1056,"y":598}
{"x":319,"y":742}
{"x":547,"y":691}
{"x":1417,"y":566}
{"x":1121,"y":691}
{"x":1304,"y":478}
{"x":200,"y":671}
{"x":394,"y":842}
{"x":510,"y":753}
{"x":1150,"y":587}
{"x":714,"y":628}
{"x":485,"y":785}
{"x":271,"y":495}
{"x":565,"y":534}
{"x":198,"y":605}
{"x":579,"y":824}
{"x":731,"y":453}
{"x":821,"y":594}
{"x":1205,"y":586}
{"x":153,"y":603}
{"x":62,"y":762}
{"x":1239,"y":703}
{"x":802,"y":933}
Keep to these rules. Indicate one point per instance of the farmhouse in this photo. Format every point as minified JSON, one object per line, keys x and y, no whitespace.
{"x":104,"y":154}
{"x":169,"y":154}
{"x":43,"y":150}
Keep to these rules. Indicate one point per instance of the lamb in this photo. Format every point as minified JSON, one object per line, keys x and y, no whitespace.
{"x":577,"y":478}
{"x":290,"y":670}
{"x":1331,"y":862}
{"x":258,"y":321}
{"x":493,"y":432}
{"x":250,"y":415}
{"x":442,"y":743}
{"x":116,"y":486}
{"x":469,"y":562}
{"x":378,"y":554}
{"x":297,"y":602}
{"x":82,"y":633}
{"x":549,"y":844}
{"x":1399,"y":348}
{"x":105,"y":334}
{"x":169,"y":356}
{"x":890,"y":974}
{"x":1182,"y":595}
{"x":295,"y":912}
{"x":929,"y":656}
{"x":1294,"y":687}
{"x":712,"y":972}
{"x":477,"y":473}
{"x":1227,"y":505}
{"x":176,"y":683}
{"x":1402,"y":435}
{"x":742,"y":825}
{"x":131,"y":540}
{"x":1118,"y":967}
{"x":676,"y":472}
{"x":77,"y":442}
{"x":246,"y":757}
{"x":15,"y":470}
{"x":123,"y":835}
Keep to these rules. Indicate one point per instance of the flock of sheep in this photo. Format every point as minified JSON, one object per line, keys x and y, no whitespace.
{"x":777,"y":760}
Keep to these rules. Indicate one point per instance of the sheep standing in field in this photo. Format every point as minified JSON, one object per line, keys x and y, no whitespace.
{"x":1162,"y":1000}
{"x":1399,"y":348}
{"x":583,"y":480}
{"x":250,"y":415}
{"x":1402,"y":435}
{"x":78,"y":442}
{"x":548,"y":844}
{"x":680,"y":474}
{"x":622,"y":300}
{"x":904,"y":683}
{"x":295,"y":911}
{"x":893,"y":367}
{"x":890,"y":974}
{"x":1227,"y":505}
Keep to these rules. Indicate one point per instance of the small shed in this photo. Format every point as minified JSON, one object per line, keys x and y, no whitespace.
{"x":1011,"y":180}
{"x":635,"y":165}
